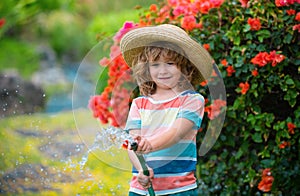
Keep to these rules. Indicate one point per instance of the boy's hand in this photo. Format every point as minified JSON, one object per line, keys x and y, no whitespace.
{"x":144,"y":146}
{"x":144,"y":180}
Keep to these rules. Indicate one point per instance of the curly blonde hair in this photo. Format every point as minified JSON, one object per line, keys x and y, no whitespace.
{"x":140,"y":66}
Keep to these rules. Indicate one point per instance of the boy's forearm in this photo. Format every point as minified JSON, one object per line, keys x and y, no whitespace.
{"x":134,"y":160}
{"x":165,"y":140}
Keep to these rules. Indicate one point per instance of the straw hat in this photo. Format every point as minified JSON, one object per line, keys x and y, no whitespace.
{"x":132,"y":44}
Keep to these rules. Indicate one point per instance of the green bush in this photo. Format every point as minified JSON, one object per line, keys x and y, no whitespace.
{"x":107,"y":24}
{"x":19,"y":55}
{"x":256,"y":46}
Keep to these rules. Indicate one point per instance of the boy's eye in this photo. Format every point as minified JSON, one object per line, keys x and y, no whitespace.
{"x":154,"y":64}
{"x":171,"y":63}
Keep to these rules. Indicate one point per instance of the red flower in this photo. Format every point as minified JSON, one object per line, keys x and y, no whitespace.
{"x":153,"y":8}
{"x":297,"y":16}
{"x":204,"y":83}
{"x":244,"y":3}
{"x":104,"y":61}
{"x":206,"y":46}
{"x":2,"y":22}
{"x":291,"y":127}
{"x":254,"y":73}
{"x":275,"y":58}
{"x":280,"y":3}
{"x":230,"y":70}
{"x":266,"y":172}
{"x":254,"y":24}
{"x":217,"y":3}
{"x":179,"y":10}
{"x":265,"y":184}
{"x":261,"y":59}
{"x":224,"y":62}
{"x":203,"y":6}
{"x":126,"y":27}
{"x":214,"y":109}
{"x":244,"y":87}
{"x":284,"y":144}
{"x":189,"y":23}
{"x":172,"y":2}
{"x":291,"y":12}
{"x":296,"y":27}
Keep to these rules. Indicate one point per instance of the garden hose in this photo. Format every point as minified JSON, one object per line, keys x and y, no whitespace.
{"x":142,"y":161}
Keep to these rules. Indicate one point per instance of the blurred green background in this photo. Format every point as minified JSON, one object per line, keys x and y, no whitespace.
{"x":40,"y":152}
{"x":70,"y":27}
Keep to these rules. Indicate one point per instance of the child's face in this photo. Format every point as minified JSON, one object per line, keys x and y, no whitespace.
{"x":164,"y":73}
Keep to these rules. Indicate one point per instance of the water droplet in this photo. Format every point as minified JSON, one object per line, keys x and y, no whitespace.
{"x":100,"y":186}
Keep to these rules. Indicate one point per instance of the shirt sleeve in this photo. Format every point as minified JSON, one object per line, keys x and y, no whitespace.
{"x":192,"y":108}
{"x":134,"y":118}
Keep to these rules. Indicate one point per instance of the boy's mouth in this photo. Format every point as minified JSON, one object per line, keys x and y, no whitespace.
{"x":164,"y":78}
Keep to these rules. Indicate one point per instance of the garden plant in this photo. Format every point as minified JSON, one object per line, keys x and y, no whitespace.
{"x":256,"y":46}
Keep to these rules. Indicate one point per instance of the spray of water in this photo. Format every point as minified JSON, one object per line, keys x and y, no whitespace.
{"x":106,"y":139}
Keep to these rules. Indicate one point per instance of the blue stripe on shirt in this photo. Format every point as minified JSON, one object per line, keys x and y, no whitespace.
{"x":169,"y":167}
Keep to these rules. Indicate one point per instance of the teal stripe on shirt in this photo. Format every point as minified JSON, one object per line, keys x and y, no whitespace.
{"x":192,"y":116}
{"x":177,"y":150}
{"x":133,"y":124}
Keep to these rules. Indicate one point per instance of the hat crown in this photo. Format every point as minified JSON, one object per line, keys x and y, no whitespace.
{"x":133,"y":42}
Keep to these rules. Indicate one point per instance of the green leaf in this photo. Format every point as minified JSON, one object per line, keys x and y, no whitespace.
{"x":249,"y":36}
{"x":288,"y":38}
{"x":266,"y":163}
{"x":236,"y":40}
{"x":246,"y":28}
{"x":289,"y":81}
{"x":262,"y":34}
{"x":239,"y":154}
{"x":257,"y":127}
{"x":257,"y":138}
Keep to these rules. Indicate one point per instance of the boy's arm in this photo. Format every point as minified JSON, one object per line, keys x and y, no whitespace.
{"x":134,"y":160}
{"x":144,"y":180}
{"x":132,"y":156}
{"x":179,"y":130}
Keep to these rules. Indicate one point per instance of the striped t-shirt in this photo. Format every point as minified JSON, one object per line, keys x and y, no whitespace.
{"x":173,"y":167}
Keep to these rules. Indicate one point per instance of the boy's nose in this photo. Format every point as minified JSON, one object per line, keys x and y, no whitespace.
{"x":163,"y":68}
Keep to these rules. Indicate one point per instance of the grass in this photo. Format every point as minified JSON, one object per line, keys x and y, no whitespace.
{"x":16,"y":150}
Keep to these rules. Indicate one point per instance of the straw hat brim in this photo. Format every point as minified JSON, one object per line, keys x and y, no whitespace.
{"x":133,"y":42}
